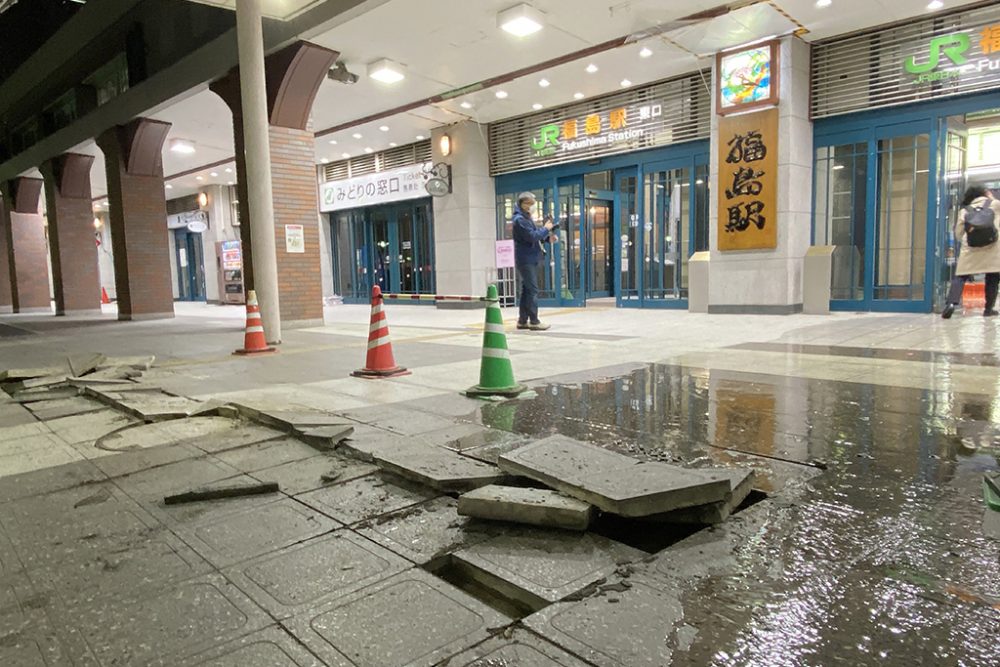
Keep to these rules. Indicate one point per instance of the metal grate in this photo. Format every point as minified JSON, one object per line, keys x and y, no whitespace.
{"x":683,"y":113}
{"x":868,"y":70}
{"x":393,"y":158}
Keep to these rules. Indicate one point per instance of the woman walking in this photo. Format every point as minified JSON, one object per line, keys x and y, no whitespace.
{"x":977,"y":230}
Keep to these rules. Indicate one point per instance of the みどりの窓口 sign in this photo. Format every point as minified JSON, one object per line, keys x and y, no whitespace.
{"x":748,"y":181}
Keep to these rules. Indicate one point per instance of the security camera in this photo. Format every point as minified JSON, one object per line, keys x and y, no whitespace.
{"x":339,"y":73}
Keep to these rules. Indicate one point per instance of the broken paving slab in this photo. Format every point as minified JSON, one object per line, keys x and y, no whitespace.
{"x":438,"y":468}
{"x":522,"y":649}
{"x":538,"y":507}
{"x":407,"y":607}
{"x":740,"y":485}
{"x":613,"y":482}
{"x":538,"y":567}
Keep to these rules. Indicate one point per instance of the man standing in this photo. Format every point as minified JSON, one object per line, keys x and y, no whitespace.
{"x":528,"y":255}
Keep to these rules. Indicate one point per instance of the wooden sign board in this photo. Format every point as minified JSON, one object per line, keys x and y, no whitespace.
{"x":748,"y":181}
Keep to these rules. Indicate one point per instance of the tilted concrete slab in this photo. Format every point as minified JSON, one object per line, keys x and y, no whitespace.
{"x":538,"y":507}
{"x":522,"y":649}
{"x":538,"y":567}
{"x":613,"y":482}
{"x":421,"y":621}
{"x":740,"y":484}
{"x":438,"y":468}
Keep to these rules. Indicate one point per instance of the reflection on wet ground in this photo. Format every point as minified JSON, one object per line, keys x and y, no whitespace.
{"x":876,"y":547}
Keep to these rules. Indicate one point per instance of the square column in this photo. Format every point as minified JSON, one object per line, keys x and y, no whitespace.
{"x":24,"y":227}
{"x":138,"y":215}
{"x":76,"y":278}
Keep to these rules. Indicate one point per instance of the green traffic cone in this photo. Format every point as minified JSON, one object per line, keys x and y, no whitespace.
{"x":496,"y":375}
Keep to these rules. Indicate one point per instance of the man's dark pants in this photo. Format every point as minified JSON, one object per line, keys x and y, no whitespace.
{"x":528,"y":303}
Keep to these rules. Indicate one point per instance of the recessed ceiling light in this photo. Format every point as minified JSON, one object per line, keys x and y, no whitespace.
{"x":199,"y":178}
{"x":345,"y":155}
{"x":214,"y":174}
{"x":577,"y":96}
{"x":356,"y":135}
{"x":386,"y":71}
{"x":369,"y":151}
{"x":544,"y":83}
{"x":626,"y":83}
{"x":521,"y":20}
{"x":384,"y":128}
{"x":324,"y":160}
{"x":182,"y":146}
{"x":333,"y":142}
{"x":501,"y":94}
{"x":536,"y":106}
{"x":169,"y":187}
{"x":420,"y":137}
{"x":591,"y":68}
{"x":646,"y":52}
{"x":934,"y":5}
{"x":465,"y":105}
{"x":393,"y":144}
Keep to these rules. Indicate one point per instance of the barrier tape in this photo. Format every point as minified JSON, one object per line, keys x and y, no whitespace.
{"x":437,"y":297}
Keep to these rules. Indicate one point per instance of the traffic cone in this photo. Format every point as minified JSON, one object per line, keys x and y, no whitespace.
{"x":496,"y":375}
{"x":254,"y":341}
{"x":379,"y":362}
{"x":104,"y":296}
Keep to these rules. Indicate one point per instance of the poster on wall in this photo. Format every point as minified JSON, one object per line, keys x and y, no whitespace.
{"x":747,"y":78}
{"x":748,"y":181}
{"x":295,"y":239}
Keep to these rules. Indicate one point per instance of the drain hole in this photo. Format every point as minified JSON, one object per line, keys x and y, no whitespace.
{"x":646,"y":536}
{"x":486,"y":588}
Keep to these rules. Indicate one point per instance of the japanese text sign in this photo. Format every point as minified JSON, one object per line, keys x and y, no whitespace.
{"x":748,"y":181}
{"x":379,"y":188}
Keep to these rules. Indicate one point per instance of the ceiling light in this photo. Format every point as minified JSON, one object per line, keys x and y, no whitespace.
{"x":465,"y":105}
{"x":369,"y":151}
{"x":214,"y":174}
{"x":386,"y":71}
{"x":521,"y":20}
{"x":501,"y":94}
{"x":626,"y":83}
{"x":577,"y":96}
{"x":324,"y":160}
{"x":420,"y":137}
{"x":345,"y":155}
{"x":333,"y":142}
{"x":544,"y":83}
{"x":646,"y":52}
{"x":356,"y":135}
{"x":182,"y":146}
{"x":536,"y":106}
{"x":824,"y":3}
{"x":591,"y":68}
{"x":384,"y":128}
{"x":935,"y":5}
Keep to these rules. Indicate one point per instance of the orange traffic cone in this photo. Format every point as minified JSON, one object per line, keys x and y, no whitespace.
{"x":104,"y":296}
{"x":380,"y":362}
{"x":254,"y":342}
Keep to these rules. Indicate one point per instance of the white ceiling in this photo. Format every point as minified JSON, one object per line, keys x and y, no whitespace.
{"x":450,"y":44}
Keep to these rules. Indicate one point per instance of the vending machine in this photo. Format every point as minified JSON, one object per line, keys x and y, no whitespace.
{"x":229,"y":256}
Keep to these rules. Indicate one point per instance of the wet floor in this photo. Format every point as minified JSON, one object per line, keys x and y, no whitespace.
{"x":877,"y":547}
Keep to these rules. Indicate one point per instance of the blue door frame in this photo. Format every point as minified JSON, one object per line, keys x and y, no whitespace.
{"x":688,"y":154}
{"x":871,"y":127}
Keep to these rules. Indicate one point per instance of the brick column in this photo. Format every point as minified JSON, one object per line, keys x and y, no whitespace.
{"x":138,"y":216}
{"x":26,"y":246}
{"x":76,"y":279}
{"x":293,"y":77}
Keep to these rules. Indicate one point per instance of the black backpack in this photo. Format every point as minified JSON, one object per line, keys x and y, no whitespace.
{"x":980,"y":230}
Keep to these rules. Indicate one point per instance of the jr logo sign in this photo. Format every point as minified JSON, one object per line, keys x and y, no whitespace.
{"x":954,"y":47}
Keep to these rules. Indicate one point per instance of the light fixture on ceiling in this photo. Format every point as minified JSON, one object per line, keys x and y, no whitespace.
{"x":386,"y":71}
{"x":645,"y":52}
{"x":202,"y":199}
{"x":384,"y":128}
{"x":823,"y":3}
{"x":182,"y":146}
{"x":536,"y":106}
{"x":577,"y":96}
{"x":625,"y":83}
{"x":444,"y":143}
{"x":333,"y":142}
{"x":369,"y":151}
{"x":521,"y":20}
{"x":465,"y":105}
{"x":356,"y":135}
{"x":544,"y":83}
{"x":592,"y":68}
{"x":501,"y":94}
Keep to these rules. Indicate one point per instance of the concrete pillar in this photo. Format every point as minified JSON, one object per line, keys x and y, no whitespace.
{"x":770,"y":281}
{"x":138,"y":213}
{"x":76,"y":279}
{"x":26,"y":246}
{"x":465,"y":220}
{"x":293,"y":77}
